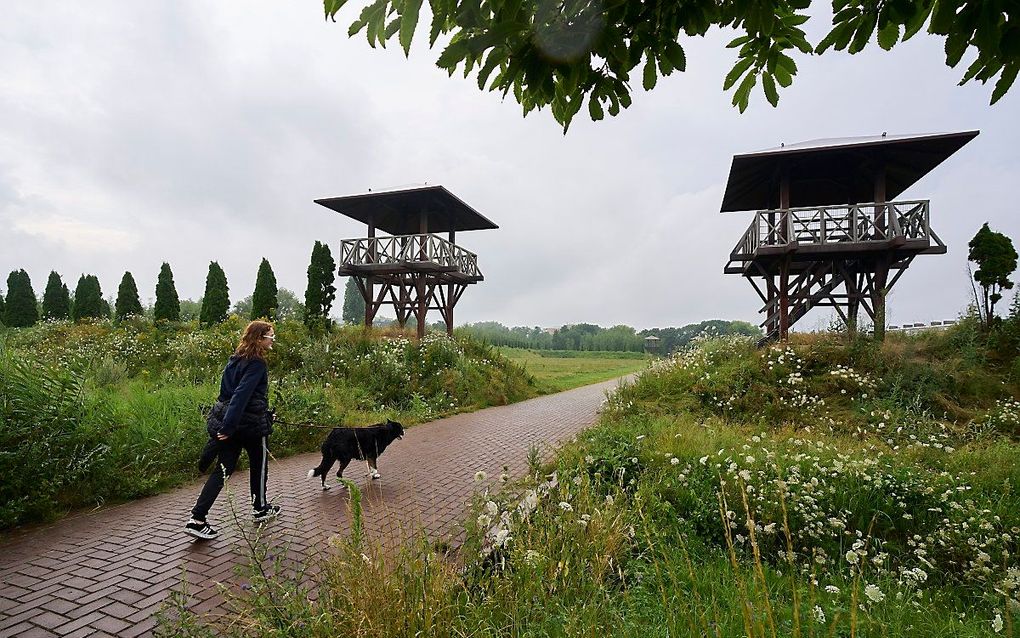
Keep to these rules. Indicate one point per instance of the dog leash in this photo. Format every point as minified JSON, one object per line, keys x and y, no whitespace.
{"x":279,"y":421}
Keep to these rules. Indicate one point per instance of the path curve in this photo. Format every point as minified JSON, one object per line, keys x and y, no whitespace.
{"x":107,"y":572}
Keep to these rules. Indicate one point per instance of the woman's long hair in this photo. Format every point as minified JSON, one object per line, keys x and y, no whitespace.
{"x":251,"y":346}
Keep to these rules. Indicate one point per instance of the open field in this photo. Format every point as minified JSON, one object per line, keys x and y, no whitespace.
{"x":816,"y":488}
{"x":556,"y":370}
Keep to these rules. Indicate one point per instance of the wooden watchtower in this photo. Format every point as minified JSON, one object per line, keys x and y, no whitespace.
{"x":412,"y":268}
{"x":827,"y":230}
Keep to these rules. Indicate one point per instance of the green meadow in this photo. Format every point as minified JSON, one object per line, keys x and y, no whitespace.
{"x":558,"y":370}
{"x":821,"y":487}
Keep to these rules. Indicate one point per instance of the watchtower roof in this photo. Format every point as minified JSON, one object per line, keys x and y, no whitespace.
{"x":837,"y":170}
{"x":398,"y":211}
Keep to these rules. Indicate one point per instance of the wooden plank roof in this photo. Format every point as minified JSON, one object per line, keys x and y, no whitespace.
{"x":398,"y":211}
{"x":836,"y":171}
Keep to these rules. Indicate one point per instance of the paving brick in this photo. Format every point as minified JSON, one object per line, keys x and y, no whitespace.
{"x":110,"y":570}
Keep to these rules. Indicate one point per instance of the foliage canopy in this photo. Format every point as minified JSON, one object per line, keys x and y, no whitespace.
{"x":216,"y":300}
{"x":168,"y":304}
{"x":88,"y":300}
{"x":264,"y":300}
{"x":128,"y":304}
{"x":996,"y":259}
{"x":56,"y":302}
{"x":20,"y":309}
{"x":562,"y":53}
{"x":321,"y":292}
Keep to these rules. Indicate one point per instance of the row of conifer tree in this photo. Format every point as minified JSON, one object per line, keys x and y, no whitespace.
{"x":21,"y":308}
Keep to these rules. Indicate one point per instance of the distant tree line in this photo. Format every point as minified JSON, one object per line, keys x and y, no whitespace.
{"x":20,"y":307}
{"x":587,"y":336}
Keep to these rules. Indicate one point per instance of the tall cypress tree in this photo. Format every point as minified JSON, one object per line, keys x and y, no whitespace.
{"x":88,"y":300}
{"x":321,"y":292}
{"x":216,"y":301}
{"x":128,"y":302}
{"x":56,"y":303}
{"x":263,"y":301}
{"x":21,"y":309}
{"x":354,"y":304}
{"x":168,"y":304}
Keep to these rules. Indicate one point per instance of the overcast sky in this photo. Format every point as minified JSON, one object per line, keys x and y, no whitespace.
{"x":137,"y":133}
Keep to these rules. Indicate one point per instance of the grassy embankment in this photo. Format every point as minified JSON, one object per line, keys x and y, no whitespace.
{"x":95,"y":413}
{"x":559,"y":370}
{"x":810,"y":489}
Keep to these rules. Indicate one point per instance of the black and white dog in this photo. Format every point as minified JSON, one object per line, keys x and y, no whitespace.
{"x":364,"y":444}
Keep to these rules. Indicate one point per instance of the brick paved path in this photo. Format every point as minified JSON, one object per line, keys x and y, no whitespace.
{"x":107,"y":572}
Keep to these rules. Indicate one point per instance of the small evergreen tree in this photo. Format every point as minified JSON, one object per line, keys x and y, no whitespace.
{"x":20,"y":310}
{"x":168,"y":304}
{"x":264,"y":300}
{"x":88,"y":299}
{"x":354,"y":304}
{"x":321,"y":292}
{"x":216,"y":301}
{"x":56,"y":299}
{"x":996,"y":259}
{"x":128,"y":302}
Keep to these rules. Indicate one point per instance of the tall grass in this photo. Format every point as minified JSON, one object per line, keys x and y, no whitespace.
{"x":811,"y":489}
{"x":91,"y":413}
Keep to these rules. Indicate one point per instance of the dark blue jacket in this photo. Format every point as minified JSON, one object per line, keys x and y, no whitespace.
{"x":244,"y":398}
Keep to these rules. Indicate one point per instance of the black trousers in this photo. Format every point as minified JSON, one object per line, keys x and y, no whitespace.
{"x":230,"y":451}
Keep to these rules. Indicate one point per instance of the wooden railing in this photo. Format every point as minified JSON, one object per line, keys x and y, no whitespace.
{"x":830,"y":225}
{"x":408,"y":249}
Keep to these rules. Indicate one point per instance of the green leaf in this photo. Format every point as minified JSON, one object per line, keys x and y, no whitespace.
{"x":676,"y":56}
{"x":356,"y":26}
{"x":743,"y":92}
{"x":742,"y":40}
{"x":650,"y":77}
{"x":972,"y":71}
{"x":595,"y":108}
{"x":888,"y":35}
{"x":769,"y":84}
{"x":784,"y":77}
{"x":332,"y":6}
{"x":452,"y":55}
{"x":786,"y":62}
{"x":956,"y":46}
{"x":492,"y":60}
{"x":738,"y":69}
{"x":915,"y":22}
{"x":408,"y":23}
{"x":864,"y":30}
{"x":1005,"y":81}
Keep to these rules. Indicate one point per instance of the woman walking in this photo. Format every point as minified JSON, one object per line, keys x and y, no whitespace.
{"x":239,"y":421}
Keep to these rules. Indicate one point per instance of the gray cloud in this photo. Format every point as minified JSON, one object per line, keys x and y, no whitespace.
{"x":190,"y":132}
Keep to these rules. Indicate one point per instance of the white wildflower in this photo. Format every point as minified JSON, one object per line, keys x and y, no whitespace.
{"x":874,"y":593}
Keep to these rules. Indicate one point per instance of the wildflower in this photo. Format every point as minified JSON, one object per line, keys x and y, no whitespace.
{"x":674,"y":461}
{"x":502,"y":536}
{"x":703,"y":460}
{"x":819,"y":615}
{"x":609,"y":499}
{"x":491,"y":508}
{"x":566,"y":507}
{"x":480,"y":476}
{"x":874,"y":593}
{"x":997,"y":623}
{"x":832,"y":589}
{"x":851,"y":557}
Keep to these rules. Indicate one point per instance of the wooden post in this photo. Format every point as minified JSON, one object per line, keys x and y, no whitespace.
{"x":449,"y":293}
{"x":369,"y":296}
{"x":880,"y":210}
